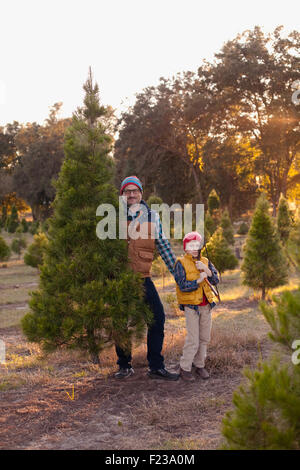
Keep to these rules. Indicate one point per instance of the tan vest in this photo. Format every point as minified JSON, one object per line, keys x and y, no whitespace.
{"x":141,"y":250}
{"x":196,"y":296}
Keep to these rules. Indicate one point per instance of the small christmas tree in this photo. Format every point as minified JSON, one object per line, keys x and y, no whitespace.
{"x":293,"y":244}
{"x":213,"y":201}
{"x":220,"y":253}
{"x":264,"y":265}
{"x":24,"y":225}
{"x":4,"y":250}
{"x":34,"y":255}
{"x":266,"y":414}
{"x":284,"y":223}
{"x":210,"y":225}
{"x":243,"y":229}
{"x":13,"y":220}
{"x":227,"y":227}
{"x":88,"y":297}
{"x":3,"y":219}
{"x":17,"y":245}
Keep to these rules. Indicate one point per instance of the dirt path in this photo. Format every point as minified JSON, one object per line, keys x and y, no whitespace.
{"x":106,"y":413}
{"x":137,"y":413}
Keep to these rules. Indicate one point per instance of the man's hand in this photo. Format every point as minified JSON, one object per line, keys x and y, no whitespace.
{"x":203,"y":276}
{"x":201,"y":266}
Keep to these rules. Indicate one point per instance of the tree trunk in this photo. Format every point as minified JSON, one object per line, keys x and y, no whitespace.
{"x":198,"y":186}
{"x":95,"y":358}
{"x":263,"y":293}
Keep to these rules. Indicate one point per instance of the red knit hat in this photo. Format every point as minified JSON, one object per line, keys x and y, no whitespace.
{"x":192,"y":236}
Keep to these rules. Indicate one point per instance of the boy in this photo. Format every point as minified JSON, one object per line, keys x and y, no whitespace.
{"x":195,"y":297}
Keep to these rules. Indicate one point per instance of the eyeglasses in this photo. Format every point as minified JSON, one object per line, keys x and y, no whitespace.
{"x":133,"y":191}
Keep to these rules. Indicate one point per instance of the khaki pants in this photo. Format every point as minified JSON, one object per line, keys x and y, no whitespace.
{"x":198,"y":326}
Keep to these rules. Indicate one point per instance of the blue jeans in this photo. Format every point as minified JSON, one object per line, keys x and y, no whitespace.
{"x":155,"y":336}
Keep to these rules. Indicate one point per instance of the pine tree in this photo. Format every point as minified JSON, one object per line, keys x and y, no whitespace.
{"x":34,"y":255}
{"x":293,"y":244}
{"x":213,"y":201}
{"x":3,"y":219}
{"x":210,"y":224}
{"x":266,"y":413}
{"x":24,"y":225}
{"x":13,"y":220}
{"x":220,"y":253}
{"x":264,"y":265}
{"x":88,"y":297}
{"x":4,"y":250}
{"x":243,"y":229}
{"x":227,"y":227}
{"x":284,"y":222}
{"x":17,"y":244}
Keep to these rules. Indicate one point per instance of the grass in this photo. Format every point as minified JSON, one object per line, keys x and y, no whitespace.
{"x":14,"y":295}
{"x":11,"y":317}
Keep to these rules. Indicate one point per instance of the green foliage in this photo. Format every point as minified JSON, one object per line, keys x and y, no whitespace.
{"x":154,"y":200}
{"x":264,"y":265}
{"x":210,"y":224}
{"x":45,"y":226}
{"x":88,"y":296}
{"x":213,"y":201}
{"x":3,"y":219}
{"x":24,"y":225}
{"x":4,"y":250}
{"x":17,"y":244}
{"x":284,"y":317}
{"x":34,"y":227}
{"x":220,"y":253}
{"x":13,"y":220}
{"x":267,"y":410}
{"x":243,"y":229}
{"x":34,"y":255}
{"x":293,"y":244}
{"x":284,"y":222}
{"x":227,"y":227}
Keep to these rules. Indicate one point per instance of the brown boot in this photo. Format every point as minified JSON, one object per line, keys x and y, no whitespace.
{"x":202,"y":372}
{"x":186,"y":376}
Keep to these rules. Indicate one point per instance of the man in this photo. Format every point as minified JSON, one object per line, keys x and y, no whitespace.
{"x":141,"y":253}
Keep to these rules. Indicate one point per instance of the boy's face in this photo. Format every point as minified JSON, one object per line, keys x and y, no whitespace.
{"x":192,"y":248}
{"x":194,"y":253}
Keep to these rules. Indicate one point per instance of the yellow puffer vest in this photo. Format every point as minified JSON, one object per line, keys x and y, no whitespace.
{"x":195,"y":297}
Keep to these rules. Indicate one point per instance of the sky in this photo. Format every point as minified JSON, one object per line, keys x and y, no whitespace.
{"x":47,"y":46}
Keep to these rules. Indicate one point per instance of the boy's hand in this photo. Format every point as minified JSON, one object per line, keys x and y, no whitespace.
{"x":202,"y":266}
{"x":203,"y":276}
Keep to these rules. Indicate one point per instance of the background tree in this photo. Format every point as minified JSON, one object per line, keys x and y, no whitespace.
{"x":213,"y":202}
{"x":264,"y":265}
{"x":34,"y":255}
{"x":210,"y":224}
{"x":88,"y":296}
{"x":4,"y":250}
{"x":227,"y":227}
{"x":40,"y":149}
{"x":12,"y":220}
{"x":220,"y":253}
{"x":284,"y":222}
{"x":17,"y":244}
{"x":253,"y":76}
{"x":293,"y":244}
